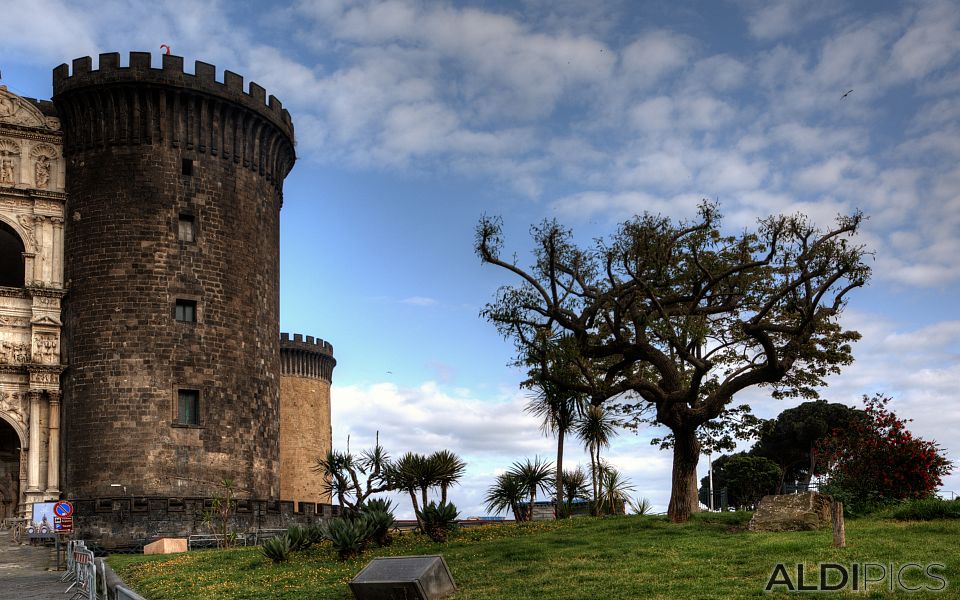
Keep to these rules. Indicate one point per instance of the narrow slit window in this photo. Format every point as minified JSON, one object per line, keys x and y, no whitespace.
{"x":186,"y":228}
{"x":186,"y":311}
{"x":187,"y":166}
{"x":188,"y":407}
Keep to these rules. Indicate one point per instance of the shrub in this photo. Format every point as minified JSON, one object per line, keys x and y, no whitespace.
{"x":927,"y":509}
{"x":276,"y":548}
{"x":439,"y":520}
{"x":349,"y":536}
{"x":641,"y":506}
{"x":876,"y":460}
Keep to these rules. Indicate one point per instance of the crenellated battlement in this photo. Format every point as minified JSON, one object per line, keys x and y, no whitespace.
{"x":306,"y":357}
{"x":171,"y":72}
{"x":139,"y":105}
{"x":309,"y":343}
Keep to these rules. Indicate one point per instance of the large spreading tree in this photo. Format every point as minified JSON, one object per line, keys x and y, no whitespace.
{"x":678,"y":317}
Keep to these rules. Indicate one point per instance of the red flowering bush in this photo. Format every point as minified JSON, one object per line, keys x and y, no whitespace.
{"x":876,"y":459}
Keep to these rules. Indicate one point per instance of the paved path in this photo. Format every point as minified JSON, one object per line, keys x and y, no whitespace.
{"x":24,"y":573}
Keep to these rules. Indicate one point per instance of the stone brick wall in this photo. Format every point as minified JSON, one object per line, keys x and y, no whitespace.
{"x":128,"y":132}
{"x":305,"y":433}
{"x":113,"y":522}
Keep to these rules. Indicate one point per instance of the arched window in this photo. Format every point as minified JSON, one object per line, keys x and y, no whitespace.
{"x":11,"y":257}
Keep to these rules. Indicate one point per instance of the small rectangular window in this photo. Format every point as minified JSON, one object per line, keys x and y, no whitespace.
{"x":187,"y":166}
{"x":186,"y":311}
{"x":188,"y":407}
{"x":186,"y":228}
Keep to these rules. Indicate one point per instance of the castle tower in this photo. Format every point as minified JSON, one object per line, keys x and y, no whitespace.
{"x":171,"y":249}
{"x":306,"y":368}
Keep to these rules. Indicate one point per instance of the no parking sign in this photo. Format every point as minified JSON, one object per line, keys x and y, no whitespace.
{"x":63,"y":509}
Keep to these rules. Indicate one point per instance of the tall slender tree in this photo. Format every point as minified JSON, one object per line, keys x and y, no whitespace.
{"x":559,"y":411}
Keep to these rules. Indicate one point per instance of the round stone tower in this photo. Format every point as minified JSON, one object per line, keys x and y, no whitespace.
{"x":172,"y":270}
{"x":306,"y":368}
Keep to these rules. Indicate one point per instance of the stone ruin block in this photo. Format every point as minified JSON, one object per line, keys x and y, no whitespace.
{"x":166,"y":546}
{"x":792,"y":512}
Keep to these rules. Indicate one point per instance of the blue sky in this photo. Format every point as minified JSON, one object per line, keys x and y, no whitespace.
{"x":414,"y":118}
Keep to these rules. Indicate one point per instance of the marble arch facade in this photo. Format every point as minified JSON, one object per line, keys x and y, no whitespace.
{"x":32,"y":204}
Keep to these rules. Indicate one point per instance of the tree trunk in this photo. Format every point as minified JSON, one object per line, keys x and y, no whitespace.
{"x":813,"y":465}
{"x":559,"y":490}
{"x":593,"y":480}
{"x":683,"y":493}
{"x":839,"y":530}
{"x":416,"y":508}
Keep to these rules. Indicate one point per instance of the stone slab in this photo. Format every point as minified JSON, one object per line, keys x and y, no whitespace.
{"x":414,"y":577}
{"x":792,"y":512}
{"x":166,"y":546}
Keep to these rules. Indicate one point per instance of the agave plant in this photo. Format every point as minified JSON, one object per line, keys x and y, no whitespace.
{"x":277,"y":548}
{"x":379,"y":514}
{"x":349,"y":536}
{"x":299,"y":538}
{"x":439,"y":520}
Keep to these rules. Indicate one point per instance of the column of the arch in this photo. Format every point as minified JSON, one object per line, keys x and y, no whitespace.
{"x":53,"y":446}
{"x":33,"y":465}
{"x":57,"y":278}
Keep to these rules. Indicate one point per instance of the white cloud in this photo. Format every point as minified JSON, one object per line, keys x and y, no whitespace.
{"x":931,"y":42}
{"x":780,"y":18}
{"x":653,"y":55}
{"x":419,"y":301}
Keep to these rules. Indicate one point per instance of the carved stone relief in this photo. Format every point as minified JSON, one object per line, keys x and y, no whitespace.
{"x":44,"y":158}
{"x":16,"y":110}
{"x":9,"y":162}
{"x":46,"y":348}
{"x":10,"y":321}
{"x":43,"y":377}
{"x":27,"y":221}
{"x":12,"y":404}
{"x":13,"y":353}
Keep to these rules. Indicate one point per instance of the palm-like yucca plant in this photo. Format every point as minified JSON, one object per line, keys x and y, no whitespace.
{"x":342,"y":471}
{"x":614,"y":490}
{"x":410,"y":473}
{"x":641,"y":506}
{"x":533,"y":475}
{"x":507,"y":493}
{"x":595,"y":429}
{"x":447,"y":468}
{"x":574,"y":486}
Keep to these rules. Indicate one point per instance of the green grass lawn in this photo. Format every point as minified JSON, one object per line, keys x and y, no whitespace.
{"x":713,"y":556}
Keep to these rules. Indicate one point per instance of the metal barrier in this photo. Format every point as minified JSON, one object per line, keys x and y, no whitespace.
{"x":215,"y":540}
{"x":124,"y":593}
{"x":265,"y":534}
{"x":86,"y":575}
